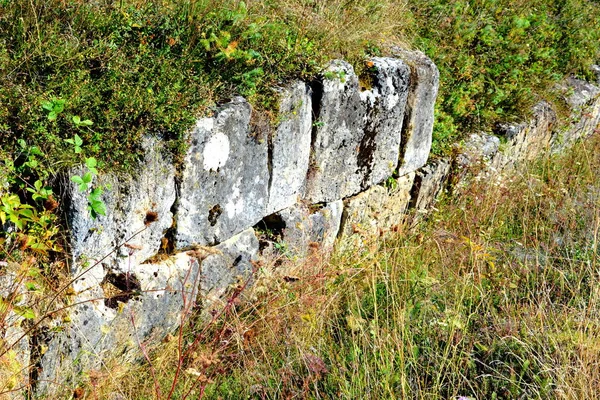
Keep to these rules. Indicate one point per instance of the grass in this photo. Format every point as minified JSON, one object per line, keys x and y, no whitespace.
{"x":491,"y":298}
{"x":138,"y":68}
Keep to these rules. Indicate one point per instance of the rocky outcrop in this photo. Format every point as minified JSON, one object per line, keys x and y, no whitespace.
{"x":172,"y":241}
{"x":357,"y":130}
{"x":225,"y":178}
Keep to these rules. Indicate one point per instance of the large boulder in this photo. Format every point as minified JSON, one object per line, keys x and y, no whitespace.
{"x":357,"y":128}
{"x":225,"y":178}
{"x":290,"y":147}
{"x":138,"y":213}
{"x":112,"y":313}
{"x":417,"y":129}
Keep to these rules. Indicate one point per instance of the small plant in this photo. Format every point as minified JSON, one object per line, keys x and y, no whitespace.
{"x":95,"y":204}
{"x":54,"y":107}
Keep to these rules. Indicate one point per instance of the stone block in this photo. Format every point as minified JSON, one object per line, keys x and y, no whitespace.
{"x":377,"y":209}
{"x":417,"y":129}
{"x":225,"y":178}
{"x":133,"y":202}
{"x":357,"y":129}
{"x":290,"y":147}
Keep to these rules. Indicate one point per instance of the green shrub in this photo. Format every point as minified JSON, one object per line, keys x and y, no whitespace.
{"x":498,"y":57}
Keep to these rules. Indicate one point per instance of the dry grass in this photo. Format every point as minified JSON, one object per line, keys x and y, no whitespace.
{"x":495,"y":297}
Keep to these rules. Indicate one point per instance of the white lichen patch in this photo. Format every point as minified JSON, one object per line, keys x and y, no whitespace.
{"x":235,"y":205}
{"x":216,"y":152}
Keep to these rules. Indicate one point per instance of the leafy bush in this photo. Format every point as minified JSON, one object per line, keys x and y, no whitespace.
{"x":498,"y":57}
{"x":139,"y":68}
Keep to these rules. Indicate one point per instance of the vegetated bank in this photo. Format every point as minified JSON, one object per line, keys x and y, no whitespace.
{"x":490,"y":298}
{"x":107,"y":124}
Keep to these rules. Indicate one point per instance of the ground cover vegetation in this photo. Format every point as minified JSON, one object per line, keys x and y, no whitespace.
{"x":81,"y":82}
{"x":490,"y":298}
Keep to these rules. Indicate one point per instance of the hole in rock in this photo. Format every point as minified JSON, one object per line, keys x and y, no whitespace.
{"x":270,"y":229}
{"x":214,"y":214}
{"x":120,"y":287}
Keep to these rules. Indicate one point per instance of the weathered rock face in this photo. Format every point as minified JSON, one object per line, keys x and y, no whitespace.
{"x":302,"y":227}
{"x":584,"y":101}
{"x":114,"y":312}
{"x":428,"y":184}
{"x":133,"y":202}
{"x":290,"y":148}
{"x":224,"y":187}
{"x":356,"y":140}
{"x":378,"y":208}
{"x":226,"y":264}
{"x":526,"y":140}
{"x":418,"y":122}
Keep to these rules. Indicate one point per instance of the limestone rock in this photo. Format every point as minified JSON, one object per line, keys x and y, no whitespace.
{"x":357,"y":133}
{"x":428,"y":184}
{"x":226,"y":264}
{"x":526,"y":141}
{"x":301,"y":227}
{"x":584,"y":100}
{"x":132,"y":203}
{"x":224,"y":186}
{"x":290,"y":147}
{"x":417,"y":129}
{"x":111,"y":318}
{"x":378,"y":208}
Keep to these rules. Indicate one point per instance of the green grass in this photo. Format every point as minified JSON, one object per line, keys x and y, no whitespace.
{"x":491,"y":298}
{"x":499,"y":57}
{"x":139,"y":68}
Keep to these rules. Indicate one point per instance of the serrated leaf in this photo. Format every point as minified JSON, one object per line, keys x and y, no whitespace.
{"x":95,"y":194}
{"x":98,"y":207}
{"x":87,"y":178}
{"x":77,"y":179}
{"x":91,"y":162}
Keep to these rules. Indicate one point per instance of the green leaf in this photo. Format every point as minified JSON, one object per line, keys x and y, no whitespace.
{"x":87,"y":178}
{"x":95,"y":194}
{"x":87,"y":122}
{"x":83,"y":187}
{"x":47,"y":105}
{"x":78,"y":140}
{"x":97,"y":208}
{"x":52,"y":116}
{"x":91,"y":162}
{"x":76,"y":119}
{"x":77,"y":179}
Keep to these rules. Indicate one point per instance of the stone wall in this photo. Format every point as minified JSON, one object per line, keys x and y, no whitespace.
{"x":177,"y":238}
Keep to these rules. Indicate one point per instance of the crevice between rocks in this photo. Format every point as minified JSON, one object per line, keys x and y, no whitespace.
{"x":316,"y":93}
